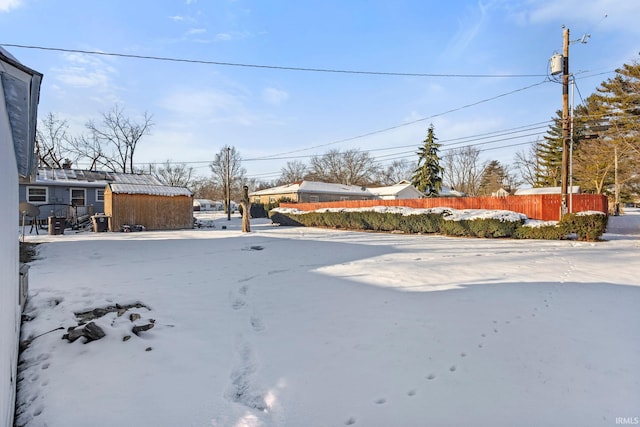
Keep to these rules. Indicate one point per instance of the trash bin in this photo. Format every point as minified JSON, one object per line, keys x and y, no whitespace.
{"x":56,"y":225}
{"x":100,"y":223}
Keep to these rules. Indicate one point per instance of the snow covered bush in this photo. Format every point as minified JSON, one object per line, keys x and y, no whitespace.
{"x":462,"y":223}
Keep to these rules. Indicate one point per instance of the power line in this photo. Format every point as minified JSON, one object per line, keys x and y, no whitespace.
{"x":379,"y":131}
{"x":270,"y":67}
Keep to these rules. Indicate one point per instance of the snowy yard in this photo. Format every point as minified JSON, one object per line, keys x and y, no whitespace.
{"x":308,"y":327}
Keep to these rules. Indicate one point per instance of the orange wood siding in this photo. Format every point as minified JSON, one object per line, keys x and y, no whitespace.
{"x":154,"y":212}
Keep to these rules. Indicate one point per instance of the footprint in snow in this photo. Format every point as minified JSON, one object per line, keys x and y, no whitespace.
{"x":257,"y":324}
{"x":381,"y":401}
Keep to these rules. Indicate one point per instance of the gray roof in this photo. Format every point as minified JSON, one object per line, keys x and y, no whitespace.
{"x":86,"y":178}
{"x":153,"y":190}
{"x":315,"y":187}
{"x":21,"y":88}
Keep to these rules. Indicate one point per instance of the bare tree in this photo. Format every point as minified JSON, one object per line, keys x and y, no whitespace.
{"x":526,"y":162}
{"x":397,"y":171}
{"x":463,"y":169}
{"x":53,"y":143}
{"x":90,"y":149}
{"x":292,"y":172}
{"x":121,"y":135}
{"x":350,"y":167}
{"x":228,"y":173}
{"x":175,"y":175}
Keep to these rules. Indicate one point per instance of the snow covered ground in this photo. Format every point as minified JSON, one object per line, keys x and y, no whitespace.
{"x":309,"y":327}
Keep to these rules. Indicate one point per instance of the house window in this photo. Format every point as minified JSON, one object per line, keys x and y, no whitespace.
{"x":37,"y":195}
{"x":78,"y":196}
{"x":272,"y":199}
{"x":314,"y":199}
{"x":100,"y":195}
{"x":343,"y":198}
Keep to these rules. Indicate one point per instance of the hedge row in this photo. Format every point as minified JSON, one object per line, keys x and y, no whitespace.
{"x":589,"y":227}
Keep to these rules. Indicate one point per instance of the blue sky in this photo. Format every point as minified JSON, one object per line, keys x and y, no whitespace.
{"x":273,"y":116}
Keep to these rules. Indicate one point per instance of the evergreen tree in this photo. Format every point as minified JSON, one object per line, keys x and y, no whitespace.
{"x":494,"y":177}
{"x":549,"y":155}
{"x":428,"y":176}
{"x":610,"y":158}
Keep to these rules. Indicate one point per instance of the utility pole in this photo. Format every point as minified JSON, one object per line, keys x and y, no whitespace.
{"x":228,"y":184}
{"x":565,"y":121}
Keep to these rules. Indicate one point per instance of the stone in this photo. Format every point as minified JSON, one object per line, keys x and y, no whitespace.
{"x":93,"y":332}
{"x":74,"y":334}
{"x":141,"y":328}
{"x":126,"y":338}
{"x":134,"y":316}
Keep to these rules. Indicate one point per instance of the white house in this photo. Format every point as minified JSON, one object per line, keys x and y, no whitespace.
{"x":19,"y":94}
{"x":401,"y":190}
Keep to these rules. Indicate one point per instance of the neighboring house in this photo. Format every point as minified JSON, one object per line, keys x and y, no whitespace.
{"x":501,"y":192}
{"x":19,"y":93}
{"x":73,"y":193}
{"x":449,"y":192}
{"x":546,"y":190}
{"x":206,"y":205}
{"x":401,"y":190}
{"x":156,"y":207}
{"x":311,"y":192}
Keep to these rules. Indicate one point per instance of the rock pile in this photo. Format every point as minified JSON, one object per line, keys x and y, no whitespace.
{"x":88,"y":329}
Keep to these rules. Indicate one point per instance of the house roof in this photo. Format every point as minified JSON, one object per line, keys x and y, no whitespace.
{"x":546,"y":190}
{"x":315,"y":187}
{"x":153,"y":190}
{"x":20,"y":86}
{"x":395,"y":189}
{"x":86,"y":178}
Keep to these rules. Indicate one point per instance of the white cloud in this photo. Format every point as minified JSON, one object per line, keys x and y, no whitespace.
{"x":209,"y":106}
{"x":596,"y":15}
{"x":274,"y":96}
{"x":196,"y":31}
{"x":85,"y":71}
{"x":223,"y":37}
{"x":469,"y":28}
{"x":86,"y":77}
{"x":7,"y":5}
{"x":177,"y":18}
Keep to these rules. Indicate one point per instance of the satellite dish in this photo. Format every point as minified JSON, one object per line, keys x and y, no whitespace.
{"x":28,"y":209}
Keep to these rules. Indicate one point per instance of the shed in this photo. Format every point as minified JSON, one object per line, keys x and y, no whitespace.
{"x":156,"y":207}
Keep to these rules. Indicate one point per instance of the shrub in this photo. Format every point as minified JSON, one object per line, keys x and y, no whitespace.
{"x":588,"y":226}
{"x":545,"y":232}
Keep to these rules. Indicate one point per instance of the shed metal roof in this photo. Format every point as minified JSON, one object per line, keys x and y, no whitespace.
{"x":87,"y":178}
{"x":152,"y":190}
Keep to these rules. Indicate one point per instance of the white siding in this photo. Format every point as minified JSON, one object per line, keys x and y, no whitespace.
{"x":9,"y":258}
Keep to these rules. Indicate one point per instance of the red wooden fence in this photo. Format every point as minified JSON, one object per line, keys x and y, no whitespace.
{"x":544,"y":207}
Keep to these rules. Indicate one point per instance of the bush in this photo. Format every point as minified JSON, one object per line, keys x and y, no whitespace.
{"x":545,"y":232}
{"x":588,"y":227}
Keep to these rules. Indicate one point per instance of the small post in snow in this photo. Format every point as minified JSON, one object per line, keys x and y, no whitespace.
{"x":246,"y":207}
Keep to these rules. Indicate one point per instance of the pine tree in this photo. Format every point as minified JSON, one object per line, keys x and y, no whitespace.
{"x":494,"y":178}
{"x":610,"y":160}
{"x":428,"y":176}
{"x":549,"y":155}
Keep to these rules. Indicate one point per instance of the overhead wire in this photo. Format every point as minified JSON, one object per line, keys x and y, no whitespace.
{"x":264,"y":66}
